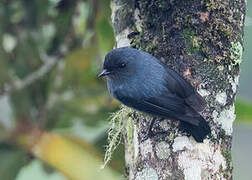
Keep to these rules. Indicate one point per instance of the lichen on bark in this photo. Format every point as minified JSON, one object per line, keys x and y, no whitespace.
{"x":203,"y":41}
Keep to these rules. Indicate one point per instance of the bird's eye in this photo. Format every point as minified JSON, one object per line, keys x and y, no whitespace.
{"x":122,"y":65}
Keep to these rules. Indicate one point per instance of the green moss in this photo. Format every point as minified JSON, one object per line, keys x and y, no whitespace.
{"x":117,"y":125}
{"x":188,"y":34}
{"x":171,"y":136}
{"x":227,"y":32}
{"x":224,"y":29}
{"x":228,"y":156}
{"x":236,"y":52}
{"x":196,"y":43}
{"x":192,"y":41}
{"x":188,"y":19}
{"x":130,"y":132}
{"x":138,"y":42}
{"x":210,"y":5}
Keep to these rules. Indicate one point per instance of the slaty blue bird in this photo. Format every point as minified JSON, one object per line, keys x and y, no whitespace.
{"x":140,"y":81}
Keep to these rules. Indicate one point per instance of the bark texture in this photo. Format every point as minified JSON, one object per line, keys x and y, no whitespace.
{"x":203,"y":41}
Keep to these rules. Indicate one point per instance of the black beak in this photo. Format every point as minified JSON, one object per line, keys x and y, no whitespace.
{"x":104,"y":73}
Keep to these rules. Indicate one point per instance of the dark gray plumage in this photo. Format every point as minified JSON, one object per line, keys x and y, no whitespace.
{"x":139,"y":80}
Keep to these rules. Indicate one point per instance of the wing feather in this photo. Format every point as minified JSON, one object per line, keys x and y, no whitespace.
{"x":182,"y":88}
{"x":167,"y":106}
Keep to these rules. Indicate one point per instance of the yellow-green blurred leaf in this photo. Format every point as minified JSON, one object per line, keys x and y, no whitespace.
{"x":72,"y":157}
{"x":79,"y":69}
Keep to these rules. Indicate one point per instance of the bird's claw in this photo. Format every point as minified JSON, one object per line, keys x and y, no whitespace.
{"x":151,"y":134}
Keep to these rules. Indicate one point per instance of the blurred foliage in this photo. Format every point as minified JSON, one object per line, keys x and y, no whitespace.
{"x":11,"y":161}
{"x":68,"y":99}
{"x":243,"y":111}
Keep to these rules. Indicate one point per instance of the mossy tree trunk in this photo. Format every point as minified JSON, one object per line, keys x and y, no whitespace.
{"x":203,"y":41}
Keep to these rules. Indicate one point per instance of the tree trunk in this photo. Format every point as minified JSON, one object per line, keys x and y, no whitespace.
{"x":203,"y":41}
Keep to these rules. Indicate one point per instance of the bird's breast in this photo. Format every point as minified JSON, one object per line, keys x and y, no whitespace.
{"x":137,"y":90}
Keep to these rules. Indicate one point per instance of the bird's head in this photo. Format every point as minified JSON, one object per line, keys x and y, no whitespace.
{"x":120,"y":62}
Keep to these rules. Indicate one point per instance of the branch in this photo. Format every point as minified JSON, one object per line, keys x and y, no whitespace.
{"x":21,"y":84}
{"x":49,"y":62}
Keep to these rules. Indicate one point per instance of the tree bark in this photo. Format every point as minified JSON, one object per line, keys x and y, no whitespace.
{"x":203,"y":41}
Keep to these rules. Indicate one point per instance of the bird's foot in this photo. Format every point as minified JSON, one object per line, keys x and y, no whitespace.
{"x":152,"y":134}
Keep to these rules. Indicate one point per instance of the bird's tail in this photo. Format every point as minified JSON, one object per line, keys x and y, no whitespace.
{"x":199,"y":131}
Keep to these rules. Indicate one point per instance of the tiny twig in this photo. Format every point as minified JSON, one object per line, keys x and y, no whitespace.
{"x":21,"y":84}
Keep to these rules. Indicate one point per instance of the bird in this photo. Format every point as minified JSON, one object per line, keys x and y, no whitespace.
{"x":142,"y":82}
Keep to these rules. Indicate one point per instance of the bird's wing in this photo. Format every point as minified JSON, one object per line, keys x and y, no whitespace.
{"x":169,"y":102}
{"x":168,"y":106}
{"x":165,"y":105}
{"x":182,"y":88}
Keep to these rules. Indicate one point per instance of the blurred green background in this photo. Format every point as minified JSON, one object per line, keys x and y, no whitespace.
{"x":50,"y":54}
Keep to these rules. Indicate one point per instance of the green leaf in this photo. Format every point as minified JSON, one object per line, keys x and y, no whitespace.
{"x":11,"y":162}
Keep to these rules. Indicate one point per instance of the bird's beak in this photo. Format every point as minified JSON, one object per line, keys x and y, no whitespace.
{"x":104,"y":73}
